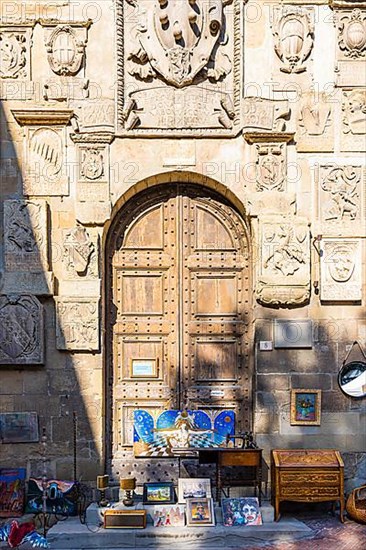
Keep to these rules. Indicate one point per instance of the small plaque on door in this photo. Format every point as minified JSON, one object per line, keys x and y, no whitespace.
{"x":144,"y":368}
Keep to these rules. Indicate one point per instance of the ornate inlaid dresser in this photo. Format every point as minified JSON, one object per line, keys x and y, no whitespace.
{"x":307,"y":475}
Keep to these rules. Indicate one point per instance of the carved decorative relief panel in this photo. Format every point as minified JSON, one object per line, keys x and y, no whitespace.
{"x":284,"y":267}
{"x":92,"y":190}
{"x":179,"y":57}
{"x":21,"y":330}
{"x":46,"y":162}
{"x":65,"y":46}
{"x":25,"y":235}
{"x":315,"y":123}
{"x":353,"y":136}
{"x":293,"y":34}
{"x":80,"y":255}
{"x":77,"y":324}
{"x":351,"y":53}
{"x":265,"y":115}
{"x":340,"y":195}
{"x":341,"y":270}
{"x":271,"y":167}
{"x":15,"y":46}
{"x":352,"y":33}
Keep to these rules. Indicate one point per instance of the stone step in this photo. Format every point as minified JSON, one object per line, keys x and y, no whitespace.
{"x":71,"y":534}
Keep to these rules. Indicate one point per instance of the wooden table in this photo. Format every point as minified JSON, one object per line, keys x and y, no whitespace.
{"x":307,"y":475}
{"x":247,"y":458}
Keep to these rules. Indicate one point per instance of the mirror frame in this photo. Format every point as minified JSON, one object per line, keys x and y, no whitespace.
{"x":347,"y":366}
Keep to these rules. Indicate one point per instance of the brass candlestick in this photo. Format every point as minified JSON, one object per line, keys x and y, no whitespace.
{"x":102,"y":485}
{"x":128,"y":484}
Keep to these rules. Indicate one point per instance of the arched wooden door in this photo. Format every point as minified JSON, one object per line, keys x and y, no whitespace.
{"x":178,"y":311}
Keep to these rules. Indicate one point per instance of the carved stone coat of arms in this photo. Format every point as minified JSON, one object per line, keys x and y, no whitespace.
{"x":177,"y":39}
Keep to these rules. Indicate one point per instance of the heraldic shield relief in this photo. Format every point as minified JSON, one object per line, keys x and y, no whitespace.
{"x":176,"y":39}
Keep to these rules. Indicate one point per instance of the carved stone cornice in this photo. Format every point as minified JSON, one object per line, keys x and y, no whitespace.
{"x":347,"y":4}
{"x":268,"y":137}
{"x":49,"y":117}
{"x":100,"y":137}
{"x":56,"y":22}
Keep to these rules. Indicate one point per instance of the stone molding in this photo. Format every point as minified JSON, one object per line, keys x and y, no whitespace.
{"x":98,"y":137}
{"x":266,"y":137}
{"x":49,"y":117}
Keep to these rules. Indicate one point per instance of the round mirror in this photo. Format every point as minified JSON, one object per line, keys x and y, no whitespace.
{"x":352,"y":379}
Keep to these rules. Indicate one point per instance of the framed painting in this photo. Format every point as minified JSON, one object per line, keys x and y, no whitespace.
{"x":193,"y":488}
{"x":175,"y":432}
{"x":167,"y":515}
{"x":241,"y":511}
{"x":305,"y":407}
{"x":200,"y":512}
{"x":12,"y":491}
{"x":159,"y":493}
{"x":144,"y":368}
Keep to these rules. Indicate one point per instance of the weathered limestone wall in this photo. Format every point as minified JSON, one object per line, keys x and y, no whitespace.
{"x":281,"y":134}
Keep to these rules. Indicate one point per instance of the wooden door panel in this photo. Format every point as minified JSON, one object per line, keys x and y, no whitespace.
{"x":210,"y":231}
{"x":214,"y":295}
{"x":140,"y":293}
{"x":147,"y":231}
{"x":215,"y":359}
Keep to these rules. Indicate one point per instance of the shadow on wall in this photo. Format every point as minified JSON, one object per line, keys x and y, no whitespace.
{"x":37,"y":372}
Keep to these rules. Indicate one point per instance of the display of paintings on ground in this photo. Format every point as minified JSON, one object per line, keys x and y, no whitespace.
{"x":200,"y":512}
{"x":241,"y":511}
{"x":193,"y":488}
{"x":167,"y":516}
{"x":12,"y":492}
{"x":171,"y":432}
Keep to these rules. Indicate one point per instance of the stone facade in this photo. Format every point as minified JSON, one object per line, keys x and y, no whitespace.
{"x":259,"y":105}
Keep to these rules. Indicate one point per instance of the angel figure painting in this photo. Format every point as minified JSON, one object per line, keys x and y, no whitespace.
{"x":172,"y":432}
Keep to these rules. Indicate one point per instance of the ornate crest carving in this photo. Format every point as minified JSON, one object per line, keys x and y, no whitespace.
{"x":341,"y":270}
{"x":342,"y":184}
{"x":284,"y":271}
{"x":314,"y":115}
{"x":12,"y":54}
{"x":294,"y":36}
{"x":65,"y":49}
{"x":271,"y":167}
{"x":352,"y":34}
{"x":354,"y":112}
{"x":177,"y":40}
{"x":77,"y":323}
{"x":25,"y":235}
{"x":92,"y":163}
{"x":21,"y":330}
{"x":78,"y":250}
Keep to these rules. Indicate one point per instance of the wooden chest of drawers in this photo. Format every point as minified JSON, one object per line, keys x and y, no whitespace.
{"x":307,"y":475}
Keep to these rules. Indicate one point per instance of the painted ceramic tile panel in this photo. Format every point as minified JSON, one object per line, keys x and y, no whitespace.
{"x":173,"y":431}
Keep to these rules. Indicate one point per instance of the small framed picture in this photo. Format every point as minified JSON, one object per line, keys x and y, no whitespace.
{"x":159,"y":493}
{"x":167,"y":515}
{"x":241,"y":511}
{"x":305,"y":407}
{"x":193,"y":488}
{"x":144,"y":368}
{"x":200,"y":512}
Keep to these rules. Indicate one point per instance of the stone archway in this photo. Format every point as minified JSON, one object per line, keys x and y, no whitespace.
{"x":178,"y":289}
